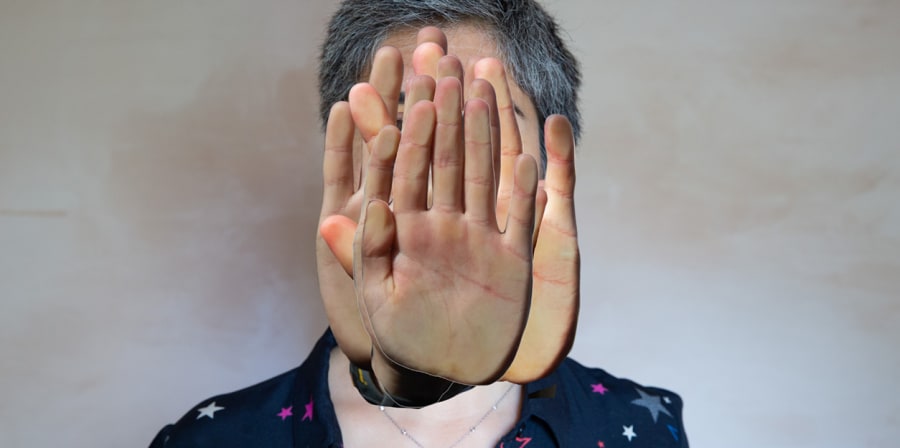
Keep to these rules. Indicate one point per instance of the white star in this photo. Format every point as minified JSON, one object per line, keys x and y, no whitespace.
{"x":209,"y":410}
{"x":629,"y":432}
{"x":667,"y":400}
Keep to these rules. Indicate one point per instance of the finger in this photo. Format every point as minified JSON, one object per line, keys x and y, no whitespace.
{"x":479,"y":175}
{"x":447,"y":166}
{"x":373,"y":256}
{"x":560,"y":179}
{"x":337,"y":170}
{"x":484,"y":90}
{"x":368,"y":111}
{"x":380,"y":171}
{"x":431,"y":46}
{"x":450,"y":66}
{"x":425,"y":59}
{"x":387,"y":77}
{"x":432,"y":34}
{"x":418,"y":88}
{"x":492,"y":70}
{"x":338,"y":232}
{"x":520,"y":221}
{"x":377,"y":241}
{"x":410,"y":187}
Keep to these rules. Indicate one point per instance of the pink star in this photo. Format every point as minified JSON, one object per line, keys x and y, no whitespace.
{"x":601,"y":444}
{"x":308,"y":415}
{"x":599,"y":389}
{"x":286,"y":412}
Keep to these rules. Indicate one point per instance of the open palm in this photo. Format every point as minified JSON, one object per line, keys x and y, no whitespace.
{"x":441,"y":288}
{"x":551,"y":325}
{"x":550,"y":329}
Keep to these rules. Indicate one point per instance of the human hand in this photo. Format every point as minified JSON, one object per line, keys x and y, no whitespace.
{"x":442,"y":290}
{"x":343,"y":173}
{"x":340,"y":211}
{"x":551,"y":325}
{"x":555,"y":296}
{"x":556,"y":285}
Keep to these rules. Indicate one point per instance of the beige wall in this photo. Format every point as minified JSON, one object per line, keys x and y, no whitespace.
{"x":738,"y":189}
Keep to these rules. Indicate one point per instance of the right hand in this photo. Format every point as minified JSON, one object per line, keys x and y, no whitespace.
{"x":344,"y":172}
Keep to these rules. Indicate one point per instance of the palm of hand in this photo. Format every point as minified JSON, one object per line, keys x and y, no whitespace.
{"x":442,"y":290}
{"x":555,"y":284}
{"x":551,"y":325}
{"x":456,"y":300}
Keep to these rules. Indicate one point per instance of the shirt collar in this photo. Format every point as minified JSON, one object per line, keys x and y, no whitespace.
{"x":311,"y":389}
{"x":543,"y":400}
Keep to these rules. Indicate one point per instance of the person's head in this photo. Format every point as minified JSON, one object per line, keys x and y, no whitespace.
{"x":544,"y":75}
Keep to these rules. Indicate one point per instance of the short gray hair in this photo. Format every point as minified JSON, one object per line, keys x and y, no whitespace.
{"x":527,"y":38}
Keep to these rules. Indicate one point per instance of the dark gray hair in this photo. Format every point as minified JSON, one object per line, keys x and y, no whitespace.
{"x":527,"y":38}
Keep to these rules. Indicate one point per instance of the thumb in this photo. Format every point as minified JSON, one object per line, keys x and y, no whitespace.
{"x":374,"y":245}
{"x":368,"y":111}
{"x":338,"y":232}
{"x":373,"y":258}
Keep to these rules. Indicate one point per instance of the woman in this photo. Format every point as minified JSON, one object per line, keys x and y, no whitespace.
{"x":449,"y":273}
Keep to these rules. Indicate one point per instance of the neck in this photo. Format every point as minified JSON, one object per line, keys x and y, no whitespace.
{"x":438,"y":425}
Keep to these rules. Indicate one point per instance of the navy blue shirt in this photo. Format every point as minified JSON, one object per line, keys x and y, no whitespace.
{"x":573,"y":407}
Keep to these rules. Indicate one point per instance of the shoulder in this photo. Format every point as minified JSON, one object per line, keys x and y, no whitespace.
{"x":256,"y":415}
{"x":619,"y":409}
{"x":270,"y":413}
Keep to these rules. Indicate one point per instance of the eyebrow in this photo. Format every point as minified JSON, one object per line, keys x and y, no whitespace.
{"x":516,"y":109}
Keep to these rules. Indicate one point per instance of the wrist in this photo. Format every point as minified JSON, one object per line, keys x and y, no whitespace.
{"x":389,"y":384}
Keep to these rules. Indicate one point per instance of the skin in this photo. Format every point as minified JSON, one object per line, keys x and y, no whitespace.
{"x":400,"y":305}
{"x":437,"y":425}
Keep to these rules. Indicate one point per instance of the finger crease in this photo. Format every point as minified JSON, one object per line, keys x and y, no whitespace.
{"x":445,"y":161}
{"x":480,"y":181}
{"x":568,"y":231}
{"x":524,"y":256}
{"x":338,"y":180}
{"x":552,"y":281}
{"x":559,"y":192}
{"x":339,"y":149}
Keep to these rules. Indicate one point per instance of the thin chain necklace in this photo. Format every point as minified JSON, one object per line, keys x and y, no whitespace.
{"x":471,"y":430}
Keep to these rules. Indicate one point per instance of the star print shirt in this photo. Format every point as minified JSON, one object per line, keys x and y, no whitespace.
{"x":575,"y":406}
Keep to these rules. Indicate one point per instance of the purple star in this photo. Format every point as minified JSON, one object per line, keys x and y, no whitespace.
{"x":286,"y":412}
{"x":308,"y":415}
{"x":599,"y":389}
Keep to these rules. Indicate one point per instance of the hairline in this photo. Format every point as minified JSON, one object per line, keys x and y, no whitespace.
{"x":479,"y":25}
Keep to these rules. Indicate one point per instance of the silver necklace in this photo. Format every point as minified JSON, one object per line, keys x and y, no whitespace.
{"x":471,"y":430}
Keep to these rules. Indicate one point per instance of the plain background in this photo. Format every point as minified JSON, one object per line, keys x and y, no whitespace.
{"x":739,"y":182}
